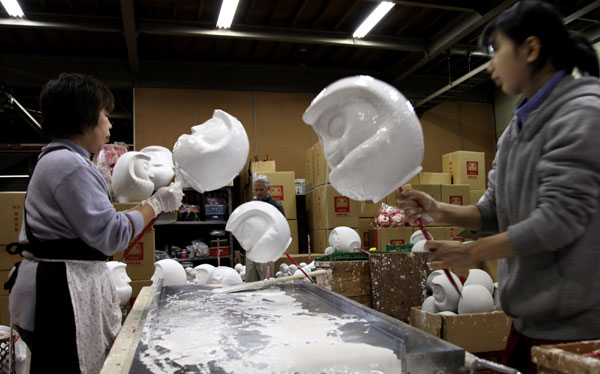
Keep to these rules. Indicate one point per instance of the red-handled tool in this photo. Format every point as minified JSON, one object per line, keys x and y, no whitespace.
{"x":299,"y":267}
{"x":419,"y":223}
{"x":140,"y":236}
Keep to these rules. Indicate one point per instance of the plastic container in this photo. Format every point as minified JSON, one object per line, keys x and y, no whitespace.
{"x":215,"y":209}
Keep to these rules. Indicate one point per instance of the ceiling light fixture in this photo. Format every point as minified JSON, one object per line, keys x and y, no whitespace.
{"x":13,"y":8}
{"x":227,"y":12}
{"x":382,"y":9}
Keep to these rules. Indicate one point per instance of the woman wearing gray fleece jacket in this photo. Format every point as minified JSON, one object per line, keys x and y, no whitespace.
{"x":543,"y":196}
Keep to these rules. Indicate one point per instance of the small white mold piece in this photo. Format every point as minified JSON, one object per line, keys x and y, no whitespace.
{"x":480,"y":277}
{"x":475,"y":299}
{"x":429,"y":305}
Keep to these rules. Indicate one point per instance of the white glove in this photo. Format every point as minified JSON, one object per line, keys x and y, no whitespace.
{"x":165,"y":199}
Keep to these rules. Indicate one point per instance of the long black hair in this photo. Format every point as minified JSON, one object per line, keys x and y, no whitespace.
{"x":537,"y":18}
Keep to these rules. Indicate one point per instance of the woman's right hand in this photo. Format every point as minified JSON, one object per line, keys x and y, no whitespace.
{"x":418,"y":204}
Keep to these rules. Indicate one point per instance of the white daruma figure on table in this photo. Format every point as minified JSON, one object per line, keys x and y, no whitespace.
{"x":344,"y":239}
{"x":161,"y":165}
{"x":371,"y":136}
{"x":171,"y":271}
{"x":119,"y":276}
{"x":131,"y":177}
{"x":213,"y":154}
{"x":261,"y":230}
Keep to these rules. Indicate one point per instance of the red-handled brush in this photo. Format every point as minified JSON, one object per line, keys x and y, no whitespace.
{"x":419,"y":223}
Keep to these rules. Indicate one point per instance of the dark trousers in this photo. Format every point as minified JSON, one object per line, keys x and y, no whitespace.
{"x":53,"y":343}
{"x":517,"y":353}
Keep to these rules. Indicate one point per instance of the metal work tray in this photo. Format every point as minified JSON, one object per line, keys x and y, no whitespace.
{"x":189,"y":329}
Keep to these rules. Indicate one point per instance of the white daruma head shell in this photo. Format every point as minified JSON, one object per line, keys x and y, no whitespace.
{"x":213,"y":154}
{"x":261,"y":230}
{"x":362,"y":124}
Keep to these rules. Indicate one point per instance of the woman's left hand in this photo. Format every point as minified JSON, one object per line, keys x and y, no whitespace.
{"x":445,"y":254}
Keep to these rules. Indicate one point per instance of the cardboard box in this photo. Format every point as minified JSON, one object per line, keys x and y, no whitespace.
{"x":11,"y":216}
{"x":260,"y":167}
{"x":309,"y":172}
{"x":478,"y":332}
{"x":415,"y":180}
{"x":438,"y":233}
{"x":293,"y":248}
{"x":332,"y":209}
{"x":283,"y":189}
{"x":7,"y":261}
{"x":491,"y":267}
{"x":319,"y":240}
{"x":455,"y":233}
{"x":434,"y":178}
{"x":351,"y":279}
{"x":433,"y":190}
{"x":140,"y":259}
{"x":566,"y":358}
{"x":4,"y":311}
{"x":321,"y":171}
{"x":398,"y":281}
{"x":364,"y":225}
{"x":310,"y":210}
{"x":370,"y":209}
{"x":457,"y":194}
{"x":379,"y":237}
{"x":466,"y":168}
{"x":475,"y":195}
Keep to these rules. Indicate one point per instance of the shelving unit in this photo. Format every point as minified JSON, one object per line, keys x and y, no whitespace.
{"x":181,"y":233}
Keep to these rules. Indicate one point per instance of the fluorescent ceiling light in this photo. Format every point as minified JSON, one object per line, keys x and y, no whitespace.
{"x":13,"y":8}
{"x":382,"y":9}
{"x":227,"y":12}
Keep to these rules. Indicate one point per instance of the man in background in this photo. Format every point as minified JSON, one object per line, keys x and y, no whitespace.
{"x":256,"y":271}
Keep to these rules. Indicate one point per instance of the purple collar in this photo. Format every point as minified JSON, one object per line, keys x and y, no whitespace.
{"x":527,"y":107}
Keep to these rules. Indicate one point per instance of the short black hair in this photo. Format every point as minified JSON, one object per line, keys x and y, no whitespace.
{"x":71,"y":104}
{"x":538,"y":18}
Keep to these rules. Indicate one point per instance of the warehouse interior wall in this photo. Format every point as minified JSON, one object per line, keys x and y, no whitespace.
{"x":273,"y":122}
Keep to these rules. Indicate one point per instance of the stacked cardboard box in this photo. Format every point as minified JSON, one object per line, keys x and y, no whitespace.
{"x":477,"y":332}
{"x":466,"y":168}
{"x":11,"y":217}
{"x":139,"y":259}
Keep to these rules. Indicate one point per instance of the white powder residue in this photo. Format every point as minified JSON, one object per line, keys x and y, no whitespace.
{"x":264,"y":331}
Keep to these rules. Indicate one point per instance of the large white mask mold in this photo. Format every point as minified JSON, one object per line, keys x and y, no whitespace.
{"x":261,"y":230}
{"x":446,"y":297}
{"x":224,"y":275}
{"x":371,"y":136}
{"x":161,"y":165}
{"x":131,"y":177}
{"x":118,"y":273}
{"x":171,"y":271}
{"x":213,"y":154}
{"x":344,"y":239}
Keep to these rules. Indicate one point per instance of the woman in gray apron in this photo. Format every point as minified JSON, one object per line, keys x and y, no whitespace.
{"x":62,"y":300}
